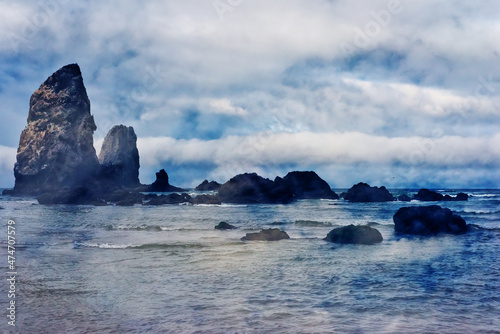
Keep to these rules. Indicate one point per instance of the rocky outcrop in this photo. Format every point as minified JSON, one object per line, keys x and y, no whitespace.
{"x":364,"y":235}
{"x":208,"y":186}
{"x":206,"y":199}
{"x":225,"y":226}
{"x":170,"y":199}
{"x":271,"y":234}
{"x":252,"y":188}
{"x":161,"y":184}
{"x":404,"y":198}
{"x":119,"y":157}
{"x":428,"y":220}
{"x":307,"y":185}
{"x":73,"y":195}
{"x":362,"y":192}
{"x":427,"y":195}
{"x":56,"y":148}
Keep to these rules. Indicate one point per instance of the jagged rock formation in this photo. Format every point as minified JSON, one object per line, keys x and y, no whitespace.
{"x":363,"y":235}
{"x":161,"y":184}
{"x":428,"y":220}
{"x":252,"y":188}
{"x":362,"y":192}
{"x":56,"y":148}
{"x":208,"y":186}
{"x":308,"y":185}
{"x":119,"y":157}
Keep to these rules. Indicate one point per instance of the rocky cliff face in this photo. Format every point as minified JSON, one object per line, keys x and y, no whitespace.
{"x":56,"y":147}
{"x":119,"y":157}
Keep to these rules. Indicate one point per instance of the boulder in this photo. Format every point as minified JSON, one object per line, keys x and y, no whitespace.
{"x":124,"y":198}
{"x":428,"y":220}
{"x":271,"y":234}
{"x":364,"y":235}
{"x":119,"y":157}
{"x":56,"y":148}
{"x":170,"y":199}
{"x":252,"y":188}
{"x":208,"y":186}
{"x":362,"y":192}
{"x":225,"y":226}
{"x":308,"y":185}
{"x":428,"y":196}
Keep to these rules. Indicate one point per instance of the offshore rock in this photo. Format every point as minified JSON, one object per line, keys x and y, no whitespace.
{"x":428,"y":220}
{"x":170,"y":199}
{"x":225,"y":226}
{"x":251,"y":188}
{"x":428,"y":196}
{"x":119,"y":157}
{"x":161,"y":184}
{"x":208,"y":186}
{"x":362,"y":192}
{"x":206,"y":199}
{"x":308,"y":185}
{"x":362,"y":235}
{"x":56,"y":148}
{"x":271,"y":234}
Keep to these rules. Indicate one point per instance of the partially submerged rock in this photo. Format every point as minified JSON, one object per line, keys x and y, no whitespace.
{"x":362,"y":192}
{"x":428,"y":220}
{"x":308,"y":185}
{"x":252,"y":188}
{"x":364,"y":235}
{"x":404,"y":198}
{"x":225,"y":226}
{"x":80,"y":195}
{"x":271,"y":234}
{"x":170,"y":199}
{"x":208,"y":186}
{"x":428,"y":196}
{"x":206,"y":199}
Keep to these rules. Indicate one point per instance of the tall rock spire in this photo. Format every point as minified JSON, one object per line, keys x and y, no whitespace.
{"x":56,"y":148}
{"x":119,"y":156}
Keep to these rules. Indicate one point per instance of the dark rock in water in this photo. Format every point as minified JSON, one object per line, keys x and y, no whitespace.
{"x":56,"y":148}
{"x":82,"y":195}
{"x":458,"y":198}
{"x":208,"y":186}
{"x":8,"y":192}
{"x":404,"y":198}
{"x":271,"y":234}
{"x":308,"y":185}
{"x":428,"y":196}
{"x":252,"y":188}
{"x":428,"y":220}
{"x":225,"y":226}
{"x":362,"y":192}
{"x":119,"y":157}
{"x":364,"y":235}
{"x":161,"y":184}
{"x":170,"y":199}
{"x":343,"y":195}
{"x":124,"y":198}
{"x":206,"y":199}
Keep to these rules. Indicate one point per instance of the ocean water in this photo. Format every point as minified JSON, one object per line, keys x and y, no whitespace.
{"x":141,"y":269}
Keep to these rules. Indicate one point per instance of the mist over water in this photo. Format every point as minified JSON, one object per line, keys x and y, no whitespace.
{"x":166,"y":270}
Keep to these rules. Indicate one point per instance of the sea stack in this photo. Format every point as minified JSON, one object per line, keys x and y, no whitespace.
{"x":56,"y":148}
{"x":119,"y":157}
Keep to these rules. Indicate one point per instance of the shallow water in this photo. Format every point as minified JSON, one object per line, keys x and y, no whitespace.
{"x":143,"y":269}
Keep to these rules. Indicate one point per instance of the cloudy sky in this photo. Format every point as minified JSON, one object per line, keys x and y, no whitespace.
{"x":394,"y":93}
